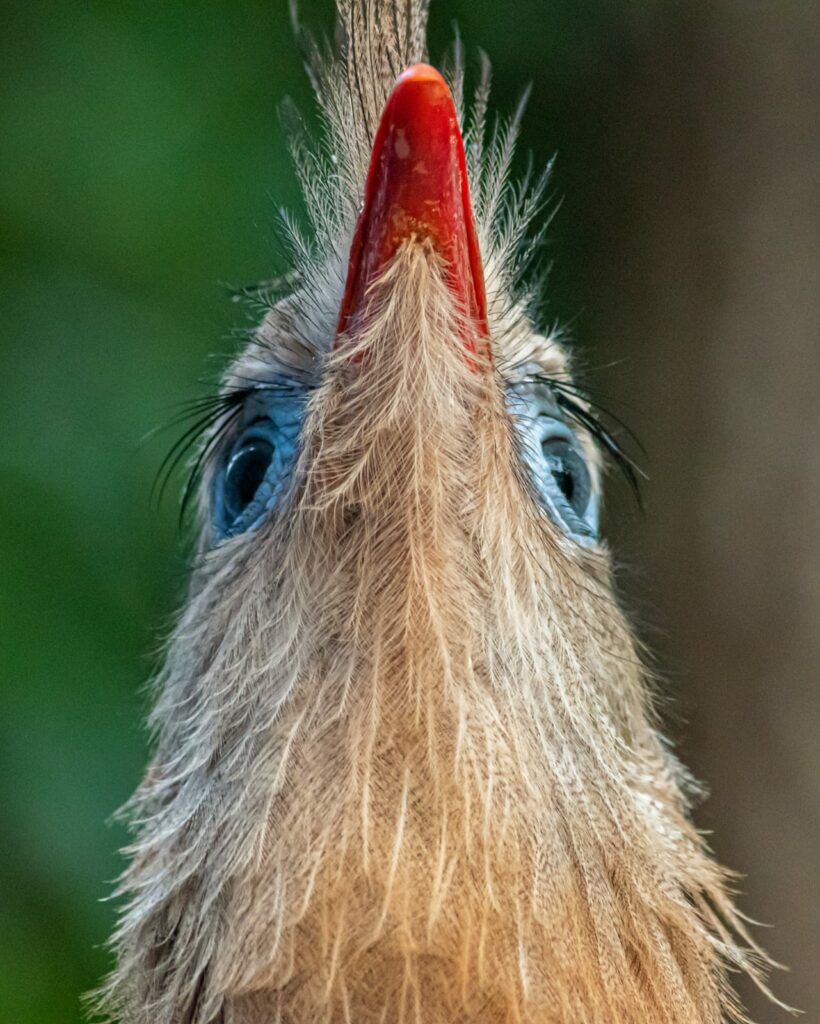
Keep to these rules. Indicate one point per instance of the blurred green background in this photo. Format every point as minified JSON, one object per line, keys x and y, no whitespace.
{"x":141,"y":165}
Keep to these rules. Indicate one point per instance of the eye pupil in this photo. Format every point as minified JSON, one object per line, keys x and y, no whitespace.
{"x":569,"y":471}
{"x":565,"y":481}
{"x":244,"y":475}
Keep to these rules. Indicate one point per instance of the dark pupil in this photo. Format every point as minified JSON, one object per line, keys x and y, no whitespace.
{"x":569,"y":472}
{"x":245,"y":474}
{"x":565,"y":480}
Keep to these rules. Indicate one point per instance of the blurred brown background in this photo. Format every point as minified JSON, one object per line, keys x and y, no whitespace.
{"x":142,"y":163}
{"x":712,"y":285}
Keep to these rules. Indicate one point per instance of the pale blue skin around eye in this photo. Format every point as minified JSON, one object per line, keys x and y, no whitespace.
{"x":538,"y":419}
{"x":275,"y":417}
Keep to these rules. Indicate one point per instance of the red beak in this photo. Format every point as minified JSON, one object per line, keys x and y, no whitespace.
{"x":417,"y":189}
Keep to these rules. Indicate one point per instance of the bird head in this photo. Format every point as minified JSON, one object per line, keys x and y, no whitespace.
{"x":405,"y":752}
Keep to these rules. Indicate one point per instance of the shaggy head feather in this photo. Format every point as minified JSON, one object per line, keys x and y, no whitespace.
{"x":406,"y":766}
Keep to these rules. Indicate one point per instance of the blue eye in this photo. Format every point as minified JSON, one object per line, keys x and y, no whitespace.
{"x":244,"y":475}
{"x":569,"y":472}
{"x":568,"y":484}
{"x":258,"y":465}
{"x":555,"y":459}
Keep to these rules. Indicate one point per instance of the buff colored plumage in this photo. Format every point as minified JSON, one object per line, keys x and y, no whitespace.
{"x":407,"y":768}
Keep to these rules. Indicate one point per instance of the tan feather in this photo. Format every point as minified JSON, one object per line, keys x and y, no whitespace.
{"x":407,"y":768}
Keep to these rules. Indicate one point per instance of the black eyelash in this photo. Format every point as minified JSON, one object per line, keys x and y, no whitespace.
{"x":205,"y":412}
{"x":199,"y":415}
{"x":577,"y":404}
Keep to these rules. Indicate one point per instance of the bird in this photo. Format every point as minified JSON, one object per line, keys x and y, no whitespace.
{"x":407,"y":765}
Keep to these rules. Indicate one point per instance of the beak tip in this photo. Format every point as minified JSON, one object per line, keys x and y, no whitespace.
{"x":420,"y":74}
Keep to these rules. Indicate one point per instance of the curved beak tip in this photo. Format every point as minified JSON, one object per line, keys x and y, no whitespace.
{"x":417,"y":189}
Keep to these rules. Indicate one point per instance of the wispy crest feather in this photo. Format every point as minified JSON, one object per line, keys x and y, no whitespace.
{"x":376,"y":40}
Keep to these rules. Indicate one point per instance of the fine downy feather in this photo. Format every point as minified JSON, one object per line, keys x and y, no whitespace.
{"x":407,"y":768}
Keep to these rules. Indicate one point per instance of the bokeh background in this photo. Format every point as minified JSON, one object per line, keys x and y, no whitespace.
{"x":141,"y":166}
